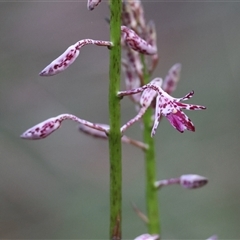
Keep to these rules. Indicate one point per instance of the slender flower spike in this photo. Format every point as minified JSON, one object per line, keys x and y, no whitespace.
{"x":92,"y":4}
{"x":137,"y":43}
{"x":192,"y":181}
{"x":166,"y":105}
{"x":47,"y":127}
{"x":147,"y":236}
{"x":69,"y":56}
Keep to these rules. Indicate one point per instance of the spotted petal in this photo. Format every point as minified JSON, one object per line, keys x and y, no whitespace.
{"x":180,"y":121}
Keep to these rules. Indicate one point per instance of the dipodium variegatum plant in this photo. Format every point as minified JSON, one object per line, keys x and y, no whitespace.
{"x":131,"y":34}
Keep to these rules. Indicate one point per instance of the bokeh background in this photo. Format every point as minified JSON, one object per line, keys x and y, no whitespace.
{"x":58,"y":188}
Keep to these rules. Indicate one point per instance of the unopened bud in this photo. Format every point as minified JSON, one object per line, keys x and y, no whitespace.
{"x":192,"y":181}
{"x":69,"y":56}
{"x":42,"y":129}
{"x":47,"y":127}
{"x":92,"y":4}
{"x":131,"y":80}
{"x":147,"y":236}
{"x":137,"y":43}
{"x":61,"y":63}
{"x":172,"y":78}
{"x":151,"y":33}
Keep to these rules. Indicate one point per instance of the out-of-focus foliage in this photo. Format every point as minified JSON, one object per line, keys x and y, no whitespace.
{"x":58,"y":187}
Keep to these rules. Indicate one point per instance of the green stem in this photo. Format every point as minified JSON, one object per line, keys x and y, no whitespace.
{"x":150,"y":167}
{"x":115,"y":117}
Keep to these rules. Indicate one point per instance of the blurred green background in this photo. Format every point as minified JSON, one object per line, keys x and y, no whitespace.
{"x":58,"y":187}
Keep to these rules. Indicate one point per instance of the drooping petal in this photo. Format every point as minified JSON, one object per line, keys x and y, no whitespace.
{"x":180,"y":121}
{"x":137,"y":43}
{"x":92,"y":4}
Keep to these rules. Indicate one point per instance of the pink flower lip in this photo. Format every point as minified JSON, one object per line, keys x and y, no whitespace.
{"x":180,"y":121}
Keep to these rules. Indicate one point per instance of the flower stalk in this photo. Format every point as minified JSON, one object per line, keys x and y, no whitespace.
{"x":115,"y":116}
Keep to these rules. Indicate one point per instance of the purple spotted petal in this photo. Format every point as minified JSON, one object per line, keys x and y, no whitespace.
{"x":180,"y":121}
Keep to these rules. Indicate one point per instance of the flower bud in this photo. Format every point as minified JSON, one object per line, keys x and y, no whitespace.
{"x":92,"y":4}
{"x":61,"y":63}
{"x":42,"y":129}
{"x":50,"y":125}
{"x":147,"y":236}
{"x":137,"y":43}
{"x":172,"y":78}
{"x":69,"y":56}
{"x":192,"y":181}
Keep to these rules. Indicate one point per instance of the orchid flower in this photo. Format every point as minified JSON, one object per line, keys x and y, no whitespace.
{"x":148,"y":95}
{"x":166,"y":105}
